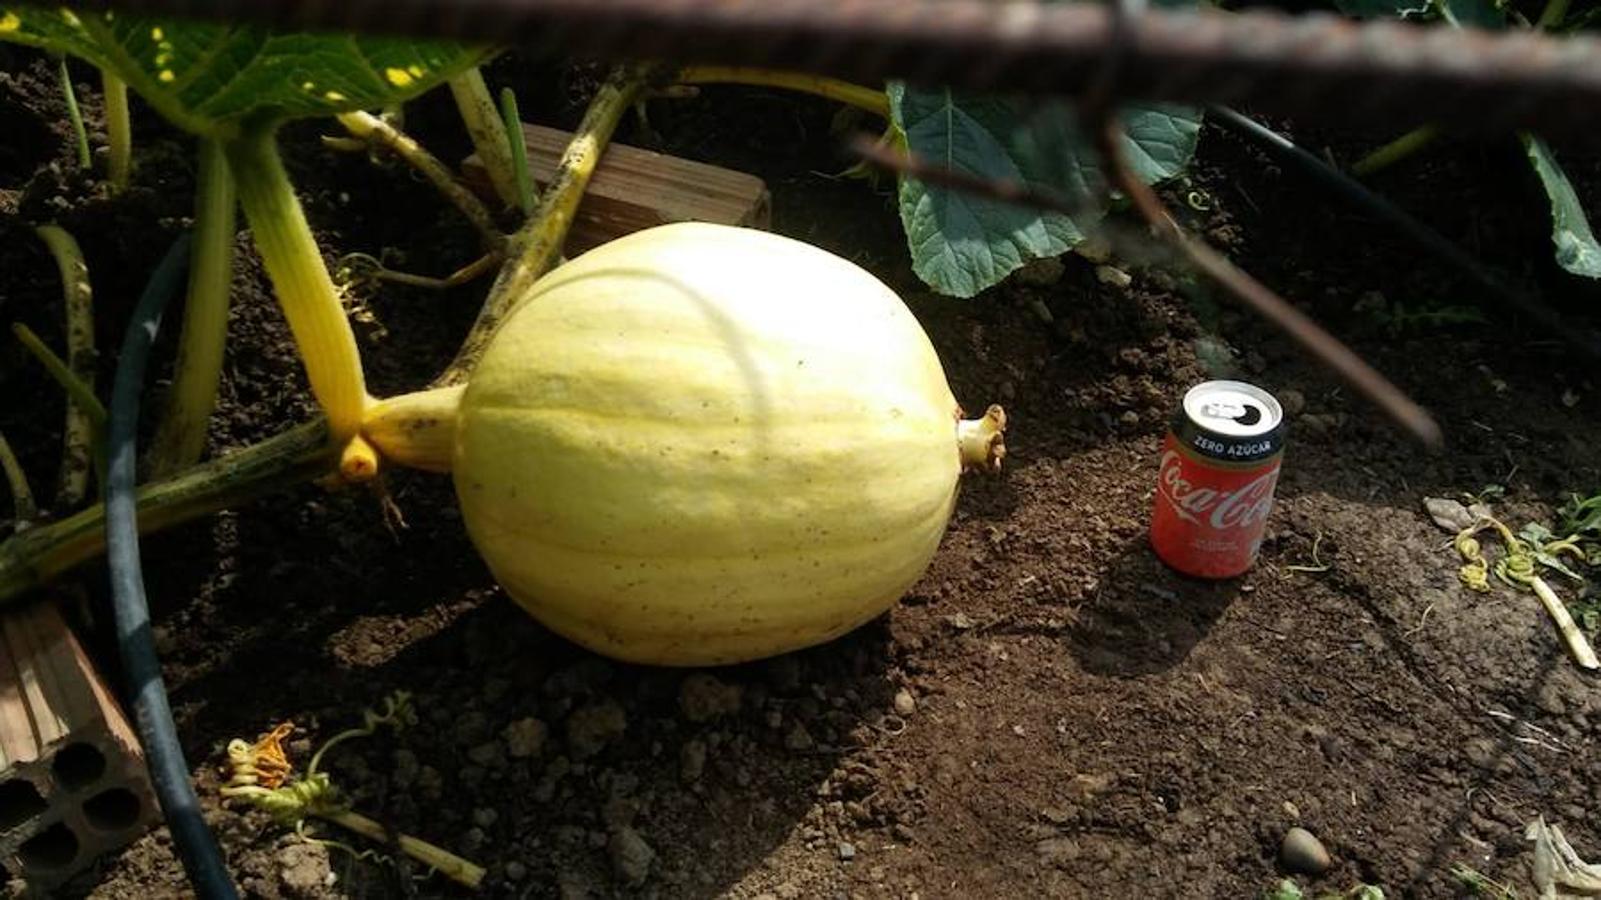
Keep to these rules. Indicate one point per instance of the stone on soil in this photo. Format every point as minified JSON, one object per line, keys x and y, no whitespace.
{"x":1303,"y":852}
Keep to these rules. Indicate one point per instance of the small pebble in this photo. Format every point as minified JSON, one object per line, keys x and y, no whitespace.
{"x":847,"y":851}
{"x":905,"y":703}
{"x":484,"y":817}
{"x":516,"y":871}
{"x":1304,"y":853}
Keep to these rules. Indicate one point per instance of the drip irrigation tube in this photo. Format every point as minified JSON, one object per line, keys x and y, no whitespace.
{"x":169,"y":771}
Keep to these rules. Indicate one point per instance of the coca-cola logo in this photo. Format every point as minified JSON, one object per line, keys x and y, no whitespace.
{"x":1242,"y":507}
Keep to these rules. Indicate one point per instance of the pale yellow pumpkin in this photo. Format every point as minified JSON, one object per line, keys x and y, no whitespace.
{"x":701,"y":444}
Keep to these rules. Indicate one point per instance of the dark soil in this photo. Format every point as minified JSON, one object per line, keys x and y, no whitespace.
{"x":1049,"y":711}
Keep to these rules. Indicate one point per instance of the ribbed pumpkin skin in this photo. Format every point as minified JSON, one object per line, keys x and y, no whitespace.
{"x":701,"y":444}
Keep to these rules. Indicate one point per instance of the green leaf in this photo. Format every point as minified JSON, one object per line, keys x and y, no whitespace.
{"x":210,"y":78}
{"x":962,"y":244}
{"x":1576,"y":247}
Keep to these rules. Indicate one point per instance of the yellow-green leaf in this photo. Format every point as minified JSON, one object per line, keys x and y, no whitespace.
{"x":210,"y":78}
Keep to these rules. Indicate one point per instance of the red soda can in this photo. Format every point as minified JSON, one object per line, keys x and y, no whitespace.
{"x":1214,"y":487}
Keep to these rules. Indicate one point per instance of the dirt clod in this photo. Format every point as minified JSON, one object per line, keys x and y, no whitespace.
{"x":798,"y":738}
{"x":704,"y":697}
{"x":590,"y":728}
{"x":525,"y":738}
{"x":905,"y":703}
{"x":303,"y":869}
{"x":691,"y":760}
{"x":630,"y":855}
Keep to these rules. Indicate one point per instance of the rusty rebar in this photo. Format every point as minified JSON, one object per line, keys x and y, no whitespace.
{"x":1313,"y":63}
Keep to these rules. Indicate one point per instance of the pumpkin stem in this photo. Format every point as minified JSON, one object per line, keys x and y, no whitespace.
{"x":982,"y":441}
{"x":416,"y":429}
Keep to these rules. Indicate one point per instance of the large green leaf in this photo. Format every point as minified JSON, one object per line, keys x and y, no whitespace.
{"x":209,"y":78}
{"x":962,"y":243}
{"x":1576,"y":247}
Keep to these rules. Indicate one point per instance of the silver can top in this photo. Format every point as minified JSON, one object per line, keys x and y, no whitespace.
{"x":1233,"y":409}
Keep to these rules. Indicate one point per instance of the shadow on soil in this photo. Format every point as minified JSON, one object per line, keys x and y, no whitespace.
{"x":528,"y":749}
{"x":1144,"y":617}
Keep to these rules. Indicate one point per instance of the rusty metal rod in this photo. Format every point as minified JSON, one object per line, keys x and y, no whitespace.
{"x":1315,"y":63}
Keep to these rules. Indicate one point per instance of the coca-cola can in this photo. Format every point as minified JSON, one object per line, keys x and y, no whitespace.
{"x":1214,"y":487}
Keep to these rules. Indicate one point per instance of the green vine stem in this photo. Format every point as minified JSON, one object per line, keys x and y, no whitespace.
{"x":79,"y":436}
{"x":77,"y":390}
{"x":863,"y":98}
{"x":482,"y":118}
{"x":33,"y":557}
{"x":1552,"y":16}
{"x":1406,"y":145}
{"x":119,"y":132}
{"x":80,"y":135}
{"x":180,"y":438}
{"x":536,"y":248}
{"x":374,"y":131}
{"x":23,"y":509}
{"x":1395,"y":151}
{"x":300,"y":278}
{"x":513,"y":121}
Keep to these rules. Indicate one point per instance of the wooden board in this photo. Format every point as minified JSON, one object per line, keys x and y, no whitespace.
{"x":633,"y":189}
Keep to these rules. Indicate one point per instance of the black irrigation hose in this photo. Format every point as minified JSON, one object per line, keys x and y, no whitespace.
{"x":169,"y":771}
{"x":1359,"y":195}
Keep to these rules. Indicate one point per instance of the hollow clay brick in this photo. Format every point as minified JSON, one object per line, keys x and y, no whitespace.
{"x":73,"y":783}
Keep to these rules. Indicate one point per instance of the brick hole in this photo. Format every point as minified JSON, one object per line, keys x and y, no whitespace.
{"x":19,"y":802}
{"x":78,"y":765}
{"x":112,"y":810}
{"x":50,"y":850}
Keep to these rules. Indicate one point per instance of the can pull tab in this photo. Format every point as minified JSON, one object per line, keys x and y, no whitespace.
{"x":1243,"y":413}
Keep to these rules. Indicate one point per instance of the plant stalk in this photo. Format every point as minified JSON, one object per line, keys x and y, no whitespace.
{"x":537,"y":246}
{"x":82,"y":402}
{"x":80,"y":135}
{"x":1578,"y":647}
{"x":417,"y":430}
{"x":1395,"y":151}
{"x":1552,"y":15}
{"x":488,"y":132}
{"x":79,"y":439}
{"x":448,"y":864}
{"x":78,"y":392}
{"x":859,"y":96}
{"x":180,"y":437}
{"x":37,"y":555}
{"x":23,"y":509}
{"x":300,"y":278}
{"x":375,"y":131}
{"x":119,"y":132}
{"x":513,"y":121}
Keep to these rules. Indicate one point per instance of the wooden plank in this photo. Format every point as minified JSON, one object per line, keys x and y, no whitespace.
{"x":633,"y":189}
